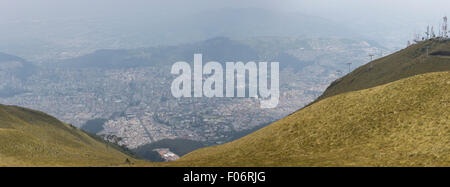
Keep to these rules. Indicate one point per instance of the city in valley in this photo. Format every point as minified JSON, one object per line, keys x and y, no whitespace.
{"x":135,"y":103}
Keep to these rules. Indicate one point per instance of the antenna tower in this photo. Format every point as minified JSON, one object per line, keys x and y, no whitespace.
{"x":433,"y":35}
{"x":444,"y":28}
{"x":371,"y":57}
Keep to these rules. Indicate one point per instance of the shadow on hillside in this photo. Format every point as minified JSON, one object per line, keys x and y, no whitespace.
{"x":440,"y":53}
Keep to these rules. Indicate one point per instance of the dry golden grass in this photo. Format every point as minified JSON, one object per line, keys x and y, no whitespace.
{"x":404,"y":123}
{"x":32,"y":138}
{"x":402,"y":64}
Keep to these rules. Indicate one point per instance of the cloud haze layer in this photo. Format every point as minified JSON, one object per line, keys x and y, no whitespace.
{"x":64,"y":27}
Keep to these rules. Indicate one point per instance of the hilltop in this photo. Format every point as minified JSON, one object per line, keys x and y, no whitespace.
{"x":403,"y":123}
{"x":15,"y":66}
{"x":32,"y":138}
{"x":218,"y":48}
{"x":14,"y":69}
{"x":408,"y":62}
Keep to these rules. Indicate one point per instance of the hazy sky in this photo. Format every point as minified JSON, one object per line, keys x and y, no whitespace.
{"x":327,"y":8}
{"x":392,"y":20}
{"x":410,"y":13}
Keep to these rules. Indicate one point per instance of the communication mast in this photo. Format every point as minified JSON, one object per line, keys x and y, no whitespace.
{"x":444,"y":28}
{"x":440,"y":33}
{"x":428,"y":32}
{"x":433,"y":35}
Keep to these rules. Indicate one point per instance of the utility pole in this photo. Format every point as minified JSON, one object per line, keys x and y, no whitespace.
{"x":349,"y":65}
{"x":371,"y":59}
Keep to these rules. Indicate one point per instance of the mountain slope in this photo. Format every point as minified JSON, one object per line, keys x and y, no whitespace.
{"x":403,"y":123}
{"x":32,"y":138}
{"x":218,"y":48}
{"x":13,"y":69}
{"x":141,"y":30}
{"x":15,"y":66}
{"x":405,"y":63}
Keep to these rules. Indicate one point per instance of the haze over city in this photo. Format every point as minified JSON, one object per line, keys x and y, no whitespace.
{"x":29,"y":27}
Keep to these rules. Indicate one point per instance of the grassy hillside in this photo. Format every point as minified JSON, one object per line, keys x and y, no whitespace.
{"x":32,"y":138}
{"x":403,"y":123}
{"x":405,"y":63}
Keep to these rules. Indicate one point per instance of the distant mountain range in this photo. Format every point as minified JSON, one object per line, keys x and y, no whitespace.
{"x":219,"y":49}
{"x":14,"y":69}
{"x":286,"y":50}
{"x":16,"y":66}
{"x":75,"y":37}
